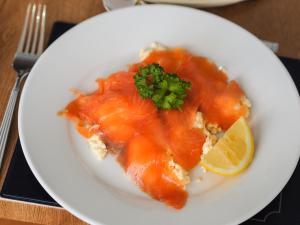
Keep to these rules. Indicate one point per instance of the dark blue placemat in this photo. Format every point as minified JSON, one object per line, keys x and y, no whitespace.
{"x":20,"y":183}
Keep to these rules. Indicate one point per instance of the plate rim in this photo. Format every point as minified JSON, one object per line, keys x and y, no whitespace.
{"x":198,"y":3}
{"x":58,"y":198}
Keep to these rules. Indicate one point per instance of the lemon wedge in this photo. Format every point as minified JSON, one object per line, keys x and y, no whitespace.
{"x":233,"y":153}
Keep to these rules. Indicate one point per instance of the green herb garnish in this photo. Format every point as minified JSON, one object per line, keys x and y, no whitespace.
{"x":166,"y":90}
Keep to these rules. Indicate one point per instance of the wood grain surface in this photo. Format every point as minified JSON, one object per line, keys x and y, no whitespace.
{"x":14,"y":222}
{"x":273,"y":20}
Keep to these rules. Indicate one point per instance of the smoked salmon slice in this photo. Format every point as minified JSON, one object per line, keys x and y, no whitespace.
{"x":149,"y":139}
{"x":148,"y":166}
{"x":185,"y":141}
{"x":116,"y":108}
{"x":219,"y":100}
{"x":127,"y":121}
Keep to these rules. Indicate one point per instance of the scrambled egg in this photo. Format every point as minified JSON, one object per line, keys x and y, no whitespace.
{"x":179,"y":172}
{"x":154,"y":46}
{"x":97,"y":146}
{"x":199,"y":121}
{"x":244,"y":101}
{"x":210,"y":131}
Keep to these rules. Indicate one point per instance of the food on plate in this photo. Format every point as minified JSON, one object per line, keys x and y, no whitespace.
{"x":233,"y":152}
{"x":162,"y":117}
{"x":167,"y":91}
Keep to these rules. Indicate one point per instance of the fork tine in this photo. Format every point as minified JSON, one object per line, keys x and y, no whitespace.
{"x":29,"y":35}
{"x":25,"y":25}
{"x":42,"y":31}
{"x":36,"y":29}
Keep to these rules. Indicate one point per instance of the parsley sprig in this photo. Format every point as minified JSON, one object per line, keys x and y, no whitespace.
{"x":166,"y":90}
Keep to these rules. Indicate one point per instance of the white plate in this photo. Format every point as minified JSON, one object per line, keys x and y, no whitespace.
{"x":198,"y":3}
{"x":99,"y":192}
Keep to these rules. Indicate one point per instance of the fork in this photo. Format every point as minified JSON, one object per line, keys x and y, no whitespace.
{"x":29,"y":49}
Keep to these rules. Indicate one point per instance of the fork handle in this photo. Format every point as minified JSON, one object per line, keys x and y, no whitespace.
{"x":6,"y":122}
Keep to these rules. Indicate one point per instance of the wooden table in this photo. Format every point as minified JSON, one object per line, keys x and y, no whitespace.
{"x":273,"y":20}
